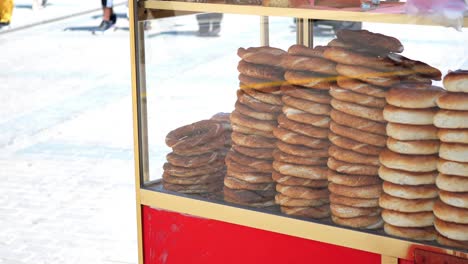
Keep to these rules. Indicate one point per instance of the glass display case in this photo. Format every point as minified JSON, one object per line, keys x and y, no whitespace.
{"x":323,"y":121}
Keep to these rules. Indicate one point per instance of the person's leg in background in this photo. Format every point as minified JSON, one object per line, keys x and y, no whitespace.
{"x":216,"y":23}
{"x":6,"y":10}
{"x":108,"y":16}
{"x":203,"y":24}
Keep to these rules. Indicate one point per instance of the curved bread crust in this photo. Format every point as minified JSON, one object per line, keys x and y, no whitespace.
{"x":195,"y":188}
{"x":367,"y":75}
{"x":409,"y":116}
{"x":452,"y":167}
{"x":195,"y":180}
{"x":347,"y":56}
{"x":294,"y":159}
{"x":454,"y":151}
{"x":357,"y":135}
{"x":357,"y":98}
{"x":195,"y":161}
{"x":355,"y":202}
{"x":402,"y":177}
{"x":361,"y":87}
{"x":450,"y":213}
{"x":411,"y":132}
{"x":261,"y":55}
{"x":451,"y":119}
{"x":306,"y":106}
{"x":245,"y":121}
{"x":284,"y":200}
{"x":344,"y":211}
{"x":415,"y":163}
{"x":414,"y":98}
{"x":366,"y":192}
{"x":301,"y":171}
{"x":251,"y":131}
{"x":258,"y":153}
{"x":291,"y":137}
{"x":236,"y":184}
{"x":266,"y":97}
{"x":296,"y":181}
{"x":350,"y":168}
{"x":310,"y":212}
{"x":251,"y":177}
{"x":298,"y":49}
{"x":371,"y":113}
{"x":459,"y":199}
{"x":370,"y":40}
{"x":451,"y":243}
{"x":306,"y":118}
{"x":255,"y":104}
{"x":260,"y":71}
{"x":352,"y":180}
{"x":418,"y":67}
{"x":453,"y":101}
{"x":353,"y":145}
{"x":416,"y":233}
{"x":252,"y":141}
{"x":306,"y":93}
{"x":413,"y":147}
{"x":301,"y":128}
{"x":310,"y":79}
{"x":352,"y":156}
{"x":453,"y":135}
{"x":259,"y":164}
{"x":358,"y":122}
{"x":406,"y":205}
{"x":300,"y":192}
{"x":246,"y":110}
{"x":301,"y":151}
{"x":189,"y":172}
{"x":362,"y":222}
{"x":420,"y":219}
{"x":195,"y":134}
{"x":248,"y":196}
{"x":305,"y":63}
{"x":456,"y":81}
{"x":452,"y":183}
{"x":410,"y":191}
{"x":451,"y":230}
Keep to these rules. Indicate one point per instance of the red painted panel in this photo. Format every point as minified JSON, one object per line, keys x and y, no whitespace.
{"x":170,"y":237}
{"x":404,"y":261}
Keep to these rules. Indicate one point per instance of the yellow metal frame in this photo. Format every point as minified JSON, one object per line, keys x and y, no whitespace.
{"x":390,"y":248}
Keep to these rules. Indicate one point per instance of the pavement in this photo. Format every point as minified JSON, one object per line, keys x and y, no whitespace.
{"x":66,"y":139}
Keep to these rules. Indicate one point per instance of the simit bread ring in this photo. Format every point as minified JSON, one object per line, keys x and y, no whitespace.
{"x":453,"y":101}
{"x":217,"y":143}
{"x":365,"y":222}
{"x":236,"y":184}
{"x":284,"y":200}
{"x":416,"y":233}
{"x":301,"y":171}
{"x":456,"y":81}
{"x":195,"y":134}
{"x":248,"y":196}
{"x":371,"y":113}
{"x":368,"y":75}
{"x":352,"y":180}
{"x":242,"y":120}
{"x":321,"y":211}
{"x":345,"y":211}
{"x":195,"y":180}
{"x":361,"y":87}
{"x":450,"y":213}
{"x":309,"y":79}
{"x":307,"y":106}
{"x":258,"y":153}
{"x":400,"y":115}
{"x":451,"y":243}
{"x":366,"y":192}
{"x":370,"y":40}
{"x":300,"y":128}
{"x":195,"y":161}
{"x":357,"y":98}
{"x":302,"y":192}
{"x":350,"y":144}
{"x":260,"y":71}
{"x":293,"y":159}
{"x":251,"y":177}
{"x":350,"y":168}
{"x":306,"y":118}
{"x":252,"y":131}
{"x":233,"y":166}
{"x":196,"y":188}
{"x":245,"y":110}
{"x":413,"y":147}
{"x":457,"y":199}
{"x":291,"y":137}
{"x":453,"y":135}
{"x":259,"y":164}
{"x":252,"y":141}
{"x":347,"y":56}
{"x":355,"y":202}
{"x":452,"y":167}
{"x":296,"y":181}
{"x":312,"y":64}
{"x":406,"y":205}
{"x":189,"y":172}
{"x":307,"y":94}
{"x":416,"y":163}
{"x":302,"y":50}
{"x":302,"y":151}
{"x":352,"y":156}
{"x":265,"y":97}
{"x":256,"y":104}
{"x":414,"y":98}
{"x":452,"y":230}
{"x":412,"y":132}
{"x":451,"y":119}
{"x":358,"y":135}
{"x":402,"y":177}
{"x":419,"y":219}
{"x":358,"y":122}
{"x":410,"y":191}
{"x":262,"y":55}
{"x":452,"y":183}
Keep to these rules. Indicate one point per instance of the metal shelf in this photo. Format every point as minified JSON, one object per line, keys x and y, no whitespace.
{"x":388,"y":13}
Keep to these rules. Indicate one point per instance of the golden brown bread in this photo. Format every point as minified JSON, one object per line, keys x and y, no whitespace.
{"x":358,"y":122}
{"x":452,"y":167}
{"x":414,"y":98}
{"x":416,"y":233}
{"x":451,"y":243}
{"x":453,"y":101}
{"x":350,"y":168}
{"x":456,"y":81}
{"x":195,"y":161}
{"x":310,"y":79}
{"x":453,"y":135}
{"x":370,"y":40}
{"x":259,"y":164}
{"x":452,"y":230}
{"x":357,"y":98}
{"x":352,"y":156}
{"x":301,"y":151}
{"x":344,"y":211}
{"x":452,"y":183}
{"x":368,"y":75}
{"x":306,"y":93}
{"x":371,"y":113}
{"x":248,"y":197}
{"x":321,"y":211}
{"x":258,"y":153}
{"x":419,"y":219}
{"x":306,"y":130}
{"x":284,"y":200}
{"x":454,"y":151}
{"x":252,"y":177}
{"x":406,"y":205}
{"x":301,"y":171}
{"x":256,"y":104}
{"x":347,"y":56}
{"x":350,"y":144}
{"x":297,"y":181}
{"x":245,"y":110}
{"x":457,"y":199}
{"x":246,"y":121}
{"x":306,"y":118}
{"x":411,"y":132}
{"x":450,"y":213}
{"x":361,"y":87}
{"x":301,"y":50}
{"x":236,"y":184}
{"x":409,"y":116}
{"x":294,"y":159}
{"x":366,"y":192}
{"x":307,"y":106}
{"x":352,"y":180}
{"x":195,"y":180}
{"x":252,"y":141}
{"x":312,"y":64}
{"x":358,"y":135}
{"x":402,"y":177}
{"x":413,"y":147}
{"x":266,"y":97}
{"x":356,"y":202}
{"x":419,"y":67}
{"x":410,"y":191}
{"x":415,"y":163}
{"x":233,"y":166}
{"x":301,"y":192}
{"x":194,"y":188}
{"x":451,"y":119}
{"x":291,"y":137}
{"x":260,"y":71}
{"x":363,"y":222}
{"x":251,"y":131}
{"x":261,"y":55}
{"x":189,"y":172}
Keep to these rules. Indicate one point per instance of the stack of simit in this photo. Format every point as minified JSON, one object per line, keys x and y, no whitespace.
{"x":302,"y":133}
{"x":249,"y":179}
{"x":358,"y":127}
{"x":409,"y":164}
{"x":196,"y":163}
{"x":451,"y":211}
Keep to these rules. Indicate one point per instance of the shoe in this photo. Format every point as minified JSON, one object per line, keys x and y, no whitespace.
{"x":113,"y":18}
{"x":4,"y":24}
{"x":105,"y":25}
